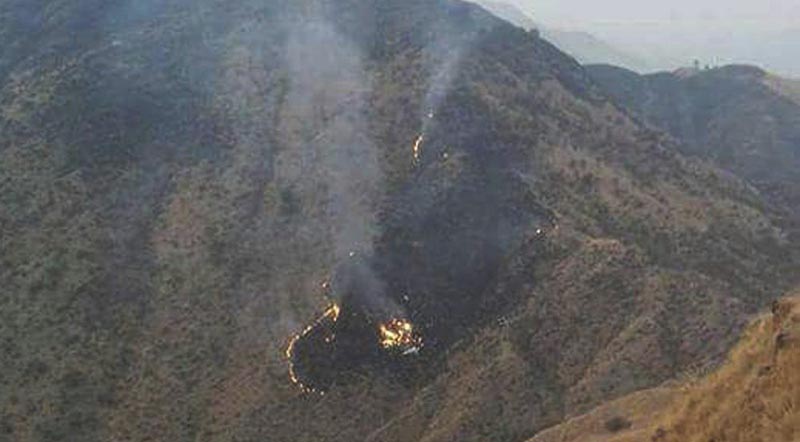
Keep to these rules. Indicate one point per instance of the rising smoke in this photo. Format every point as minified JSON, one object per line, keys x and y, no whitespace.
{"x":444,"y":56}
{"x":329,"y":89}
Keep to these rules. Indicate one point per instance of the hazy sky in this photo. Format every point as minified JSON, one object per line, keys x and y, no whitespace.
{"x":761,"y":14}
{"x":672,"y":33}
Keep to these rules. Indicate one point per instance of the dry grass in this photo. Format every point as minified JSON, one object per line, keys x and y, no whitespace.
{"x":753,"y":397}
{"x":637,"y":409}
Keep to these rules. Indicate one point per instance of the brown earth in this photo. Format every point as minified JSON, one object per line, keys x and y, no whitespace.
{"x":751,"y":397}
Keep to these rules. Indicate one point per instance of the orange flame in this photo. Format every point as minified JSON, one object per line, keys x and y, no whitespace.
{"x":399,"y":334}
{"x":332,"y":312}
{"x":417,"y":149}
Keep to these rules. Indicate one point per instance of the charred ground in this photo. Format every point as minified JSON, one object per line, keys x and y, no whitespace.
{"x":169,"y":209}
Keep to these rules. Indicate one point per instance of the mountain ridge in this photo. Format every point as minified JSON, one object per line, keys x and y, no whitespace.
{"x":585,"y":47}
{"x":176,"y":192}
{"x":738,"y":116}
{"x":748,"y":398}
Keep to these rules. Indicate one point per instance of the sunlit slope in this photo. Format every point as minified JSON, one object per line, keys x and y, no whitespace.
{"x":172,"y":183}
{"x":752,"y":397}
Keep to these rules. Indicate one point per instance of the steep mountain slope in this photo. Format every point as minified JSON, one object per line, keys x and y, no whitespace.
{"x":177,"y":179}
{"x":739,"y":117}
{"x":753,"y":397}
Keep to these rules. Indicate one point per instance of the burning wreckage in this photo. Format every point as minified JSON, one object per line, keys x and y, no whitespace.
{"x":360,"y":326}
{"x":371,"y":324}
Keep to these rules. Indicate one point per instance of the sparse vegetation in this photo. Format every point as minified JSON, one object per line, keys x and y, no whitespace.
{"x":166,"y":220}
{"x":617,"y":424}
{"x":752,"y":397}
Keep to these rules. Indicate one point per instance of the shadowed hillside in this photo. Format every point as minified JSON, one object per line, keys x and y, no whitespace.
{"x":185,"y":186}
{"x":738,"y":117}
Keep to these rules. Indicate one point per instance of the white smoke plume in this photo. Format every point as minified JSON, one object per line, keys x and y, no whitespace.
{"x":328,"y":92}
{"x":445,"y":56}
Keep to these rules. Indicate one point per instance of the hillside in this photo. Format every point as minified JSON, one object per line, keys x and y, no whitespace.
{"x":752,"y":397}
{"x":738,"y":117}
{"x":183,"y":183}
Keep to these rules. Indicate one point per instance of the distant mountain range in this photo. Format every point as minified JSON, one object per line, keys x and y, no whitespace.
{"x":661,"y":47}
{"x":207,"y":205}
{"x":585,"y":47}
{"x":667,"y":47}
